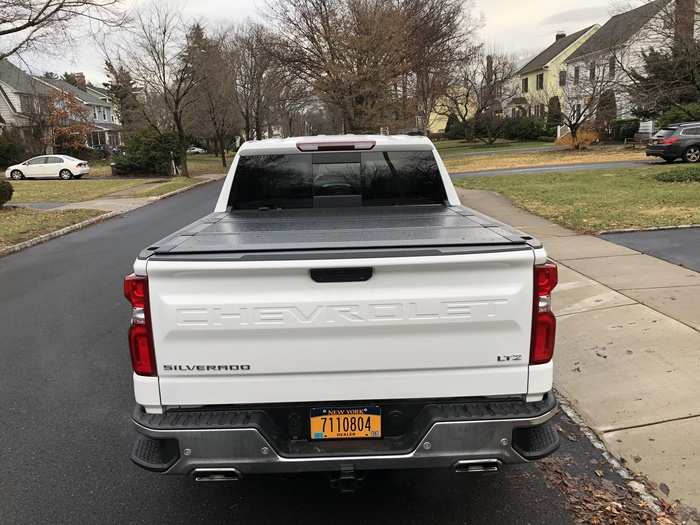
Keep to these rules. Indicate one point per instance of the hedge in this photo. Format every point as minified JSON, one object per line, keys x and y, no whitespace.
{"x":624,"y":128}
{"x":680,"y":175}
{"x":149,"y":152}
{"x":524,"y":128}
{"x":6,"y":191}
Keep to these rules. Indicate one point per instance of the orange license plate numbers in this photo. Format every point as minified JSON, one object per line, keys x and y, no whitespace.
{"x":346,"y":423}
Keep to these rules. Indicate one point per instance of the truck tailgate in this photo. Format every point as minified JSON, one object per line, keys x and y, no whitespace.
{"x":246,"y":331}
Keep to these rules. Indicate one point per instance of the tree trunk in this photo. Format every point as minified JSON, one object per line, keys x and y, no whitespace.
{"x":247,"y":126}
{"x":222,"y":149}
{"x":181,"y":142}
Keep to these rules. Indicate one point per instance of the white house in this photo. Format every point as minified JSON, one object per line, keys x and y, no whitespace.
{"x":606,"y":59}
{"x":18,"y":96}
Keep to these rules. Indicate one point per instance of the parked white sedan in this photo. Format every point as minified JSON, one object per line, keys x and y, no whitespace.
{"x":49,"y":166}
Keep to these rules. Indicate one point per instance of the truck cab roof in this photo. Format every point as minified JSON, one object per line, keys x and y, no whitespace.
{"x":327,"y":143}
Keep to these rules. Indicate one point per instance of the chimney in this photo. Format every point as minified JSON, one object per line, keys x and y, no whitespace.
{"x":685,"y":21}
{"x":560,"y":35}
{"x":80,"y":80}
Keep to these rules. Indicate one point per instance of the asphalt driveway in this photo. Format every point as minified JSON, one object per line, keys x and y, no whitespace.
{"x":679,"y":246}
{"x":66,"y":434}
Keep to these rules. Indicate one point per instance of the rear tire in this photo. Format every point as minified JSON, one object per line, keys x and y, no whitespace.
{"x":65,"y":175}
{"x":16,"y":175}
{"x":692,"y":154}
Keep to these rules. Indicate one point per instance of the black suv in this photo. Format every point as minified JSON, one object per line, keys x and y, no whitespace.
{"x":677,"y":141}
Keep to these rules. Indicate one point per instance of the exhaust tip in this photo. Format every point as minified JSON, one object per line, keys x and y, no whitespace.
{"x":216,"y":474}
{"x":469,"y":466}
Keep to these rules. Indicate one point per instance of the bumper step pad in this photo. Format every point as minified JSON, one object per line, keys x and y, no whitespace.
{"x":536,"y":442}
{"x":157,"y":455}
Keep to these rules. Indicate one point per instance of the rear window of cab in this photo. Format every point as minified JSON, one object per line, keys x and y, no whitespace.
{"x":321,"y":180}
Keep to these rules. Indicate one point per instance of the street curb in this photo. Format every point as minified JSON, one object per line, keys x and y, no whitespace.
{"x":95,"y":220}
{"x":648,"y":497}
{"x":652,"y":229}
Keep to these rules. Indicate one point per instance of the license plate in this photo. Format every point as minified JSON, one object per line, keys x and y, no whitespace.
{"x":346,"y":423}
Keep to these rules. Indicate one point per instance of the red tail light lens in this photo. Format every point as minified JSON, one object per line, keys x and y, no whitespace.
{"x":670,"y":140}
{"x":143,"y":359}
{"x":136,"y":290}
{"x":544,"y":324}
{"x":546,"y":278}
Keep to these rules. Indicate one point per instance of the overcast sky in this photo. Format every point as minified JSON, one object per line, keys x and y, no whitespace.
{"x":514,"y":26}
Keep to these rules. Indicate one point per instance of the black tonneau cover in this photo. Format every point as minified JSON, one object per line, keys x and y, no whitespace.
{"x":243,"y":234}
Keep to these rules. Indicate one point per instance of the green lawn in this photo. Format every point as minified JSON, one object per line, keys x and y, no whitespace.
{"x":600,"y":200}
{"x":456,"y":148}
{"x":69,"y":190}
{"x":21,"y":224}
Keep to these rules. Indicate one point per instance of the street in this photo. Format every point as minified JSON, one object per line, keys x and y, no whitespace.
{"x":67,"y":398}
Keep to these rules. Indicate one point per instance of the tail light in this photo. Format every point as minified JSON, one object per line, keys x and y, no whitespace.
{"x":143,"y":359}
{"x":82,"y":164}
{"x":544,"y":324}
{"x":670,"y":140}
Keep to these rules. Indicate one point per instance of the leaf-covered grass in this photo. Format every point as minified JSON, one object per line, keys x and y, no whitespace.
{"x":550,"y":158}
{"x":457,"y":148}
{"x":600,"y":200}
{"x":69,"y":190}
{"x":21,"y":224}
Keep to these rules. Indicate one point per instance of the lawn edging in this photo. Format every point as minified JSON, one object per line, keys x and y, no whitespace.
{"x":95,"y":220}
{"x":652,"y":229}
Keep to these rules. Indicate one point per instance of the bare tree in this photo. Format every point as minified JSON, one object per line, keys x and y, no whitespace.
{"x":479,"y":86}
{"x":350,"y":52}
{"x":159,"y":58}
{"x":251,"y":65}
{"x":214,"y":113}
{"x":39,"y":24}
{"x":586,"y":94}
{"x":436,"y":31}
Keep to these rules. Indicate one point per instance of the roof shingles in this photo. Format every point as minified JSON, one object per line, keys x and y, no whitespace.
{"x":619,"y":29}
{"x":552,"y":52}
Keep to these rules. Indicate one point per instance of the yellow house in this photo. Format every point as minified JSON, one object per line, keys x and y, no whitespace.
{"x":544,"y":77}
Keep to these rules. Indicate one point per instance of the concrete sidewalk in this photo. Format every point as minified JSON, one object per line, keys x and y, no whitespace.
{"x":628,"y":347}
{"x":120,"y":202}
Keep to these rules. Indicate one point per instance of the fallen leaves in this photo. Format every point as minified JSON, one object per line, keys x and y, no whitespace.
{"x":599,"y":501}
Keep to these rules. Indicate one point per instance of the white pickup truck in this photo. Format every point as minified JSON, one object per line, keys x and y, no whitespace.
{"x":340,"y":311}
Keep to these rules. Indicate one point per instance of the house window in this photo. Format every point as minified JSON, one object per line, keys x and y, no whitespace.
{"x":526,"y":85}
{"x":540,"y":81}
{"x":591,"y":72}
{"x":94,"y":113}
{"x":577,"y":75}
{"x":612,"y":67}
{"x":562,"y":78}
{"x":25,"y":103}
